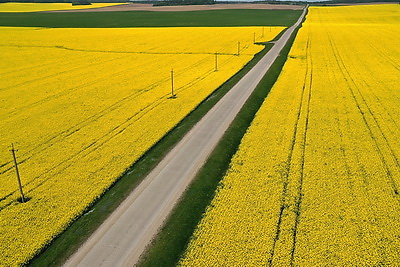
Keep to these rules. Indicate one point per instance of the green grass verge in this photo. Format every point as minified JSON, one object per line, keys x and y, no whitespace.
{"x":70,"y":240}
{"x":212,"y":18}
{"x":173,"y":239}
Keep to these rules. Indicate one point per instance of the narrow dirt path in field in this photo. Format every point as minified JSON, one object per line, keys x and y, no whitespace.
{"x":123,"y":237}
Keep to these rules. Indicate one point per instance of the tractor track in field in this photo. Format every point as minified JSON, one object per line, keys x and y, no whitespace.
{"x":287,"y":203}
{"x":299,"y":197}
{"x":378,"y":133}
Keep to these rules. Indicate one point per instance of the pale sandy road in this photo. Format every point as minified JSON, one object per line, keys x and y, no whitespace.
{"x":123,"y":237}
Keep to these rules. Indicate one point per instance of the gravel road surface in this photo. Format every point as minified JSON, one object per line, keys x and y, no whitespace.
{"x":123,"y":237}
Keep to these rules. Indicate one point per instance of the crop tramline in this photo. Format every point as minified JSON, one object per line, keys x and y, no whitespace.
{"x":377,"y":128}
{"x":284,"y":244}
{"x":82,"y":105}
{"x":315,"y":180}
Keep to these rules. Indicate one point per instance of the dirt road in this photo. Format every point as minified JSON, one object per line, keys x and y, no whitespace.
{"x":122,"y":238}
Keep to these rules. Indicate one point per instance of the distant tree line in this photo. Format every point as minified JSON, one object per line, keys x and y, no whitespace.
{"x":196,"y":2}
{"x":73,"y":2}
{"x":321,"y":2}
{"x":80,"y":2}
{"x":282,"y":2}
{"x":335,"y":2}
{"x":183,"y":2}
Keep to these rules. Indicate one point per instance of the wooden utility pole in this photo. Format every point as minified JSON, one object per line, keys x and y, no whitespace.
{"x":17,"y":172}
{"x":216,"y":61}
{"x":263,"y":32}
{"x":172,"y":83}
{"x":254,"y":38}
{"x":238,"y":52}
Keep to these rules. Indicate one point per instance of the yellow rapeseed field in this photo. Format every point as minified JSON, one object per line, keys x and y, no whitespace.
{"x":81,"y":105}
{"x":36,"y":7}
{"x":316,"y":180}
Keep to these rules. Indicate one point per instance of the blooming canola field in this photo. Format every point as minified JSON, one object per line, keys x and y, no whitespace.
{"x":81,"y":105}
{"x":316,"y":180}
{"x":37,"y":7}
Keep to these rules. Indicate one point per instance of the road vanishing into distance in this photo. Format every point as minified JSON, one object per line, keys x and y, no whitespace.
{"x":123,"y":237}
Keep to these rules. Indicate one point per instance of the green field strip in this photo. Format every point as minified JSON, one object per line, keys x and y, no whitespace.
{"x":213,"y":18}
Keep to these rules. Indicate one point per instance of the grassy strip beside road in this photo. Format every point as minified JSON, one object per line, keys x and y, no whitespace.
{"x":212,"y":18}
{"x":63,"y":246}
{"x":173,"y":239}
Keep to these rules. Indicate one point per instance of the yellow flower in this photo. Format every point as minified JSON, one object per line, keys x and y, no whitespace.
{"x":36,"y":7}
{"x":316,"y":179}
{"x":81,"y":105}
